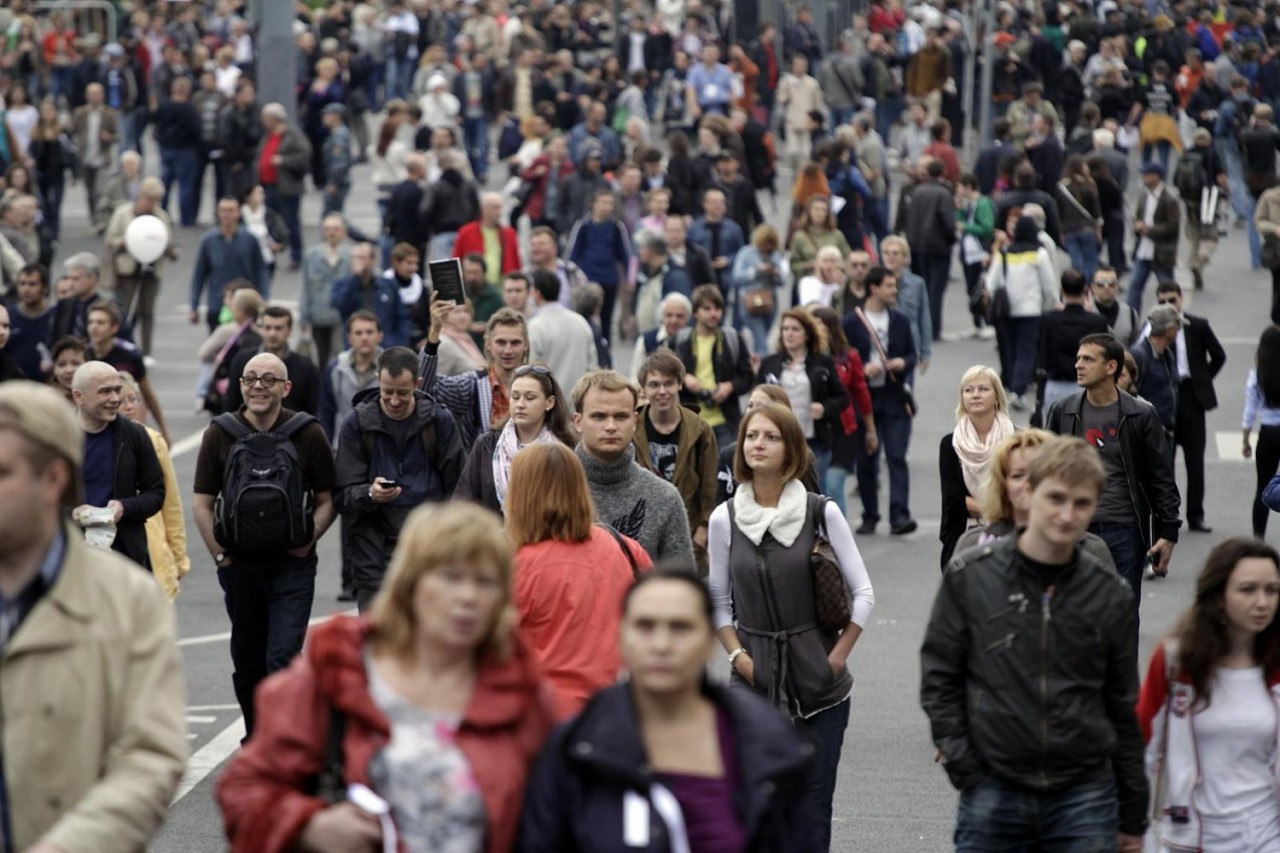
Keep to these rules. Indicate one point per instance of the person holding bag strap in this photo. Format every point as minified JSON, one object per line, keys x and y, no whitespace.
{"x":1209,"y":708}
{"x":762,"y":584}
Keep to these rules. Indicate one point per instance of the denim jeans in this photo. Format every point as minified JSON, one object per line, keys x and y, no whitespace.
{"x":475,"y":135}
{"x":833,"y":486}
{"x":894,"y":429}
{"x":1241,"y":201}
{"x":400,"y":76}
{"x":441,"y":246}
{"x":269,"y":604}
{"x":1138,"y":281}
{"x":1082,"y":246}
{"x":287,"y":207}
{"x":759,"y":328}
{"x":180,"y":165}
{"x":826,"y":730}
{"x":1127,"y":551}
{"x":935,"y":269}
{"x":1022,"y":334}
{"x":997,"y":816}
{"x":821,"y":460}
{"x":1162,"y":151}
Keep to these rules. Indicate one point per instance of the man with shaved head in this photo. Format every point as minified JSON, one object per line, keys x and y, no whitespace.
{"x":268,"y":592}
{"x":490,"y":238}
{"x":121,"y":470}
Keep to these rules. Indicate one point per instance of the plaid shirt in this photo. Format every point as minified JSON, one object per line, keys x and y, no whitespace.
{"x":470,"y":397}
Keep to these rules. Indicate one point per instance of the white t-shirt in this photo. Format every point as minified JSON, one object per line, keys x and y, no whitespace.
{"x":814,"y":289}
{"x":880,"y":322}
{"x":1236,"y":739}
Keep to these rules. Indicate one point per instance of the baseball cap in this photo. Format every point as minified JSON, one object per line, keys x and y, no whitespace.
{"x":44,"y":417}
{"x":1152,"y":167}
{"x":334,"y":109}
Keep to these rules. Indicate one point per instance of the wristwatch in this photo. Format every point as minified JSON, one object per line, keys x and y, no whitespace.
{"x":733,"y":655}
{"x":219,"y":557}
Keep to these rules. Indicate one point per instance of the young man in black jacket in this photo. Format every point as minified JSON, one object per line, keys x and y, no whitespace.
{"x":1060,"y":334}
{"x":1029,"y":678}
{"x":727,"y":360}
{"x":1137,"y":515}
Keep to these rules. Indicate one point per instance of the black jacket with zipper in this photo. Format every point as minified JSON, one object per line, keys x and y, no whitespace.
{"x":574,"y":799}
{"x":138,"y":483}
{"x":825,"y":387}
{"x":1036,"y":689}
{"x":1147,"y":465}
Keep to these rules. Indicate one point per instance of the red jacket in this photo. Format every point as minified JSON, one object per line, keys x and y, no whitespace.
{"x":569,"y":596}
{"x":261,"y":794}
{"x":854,"y":378}
{"x":471,"y":240}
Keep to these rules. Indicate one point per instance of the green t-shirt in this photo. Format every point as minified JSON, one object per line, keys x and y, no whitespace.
{"x":484,"y":305}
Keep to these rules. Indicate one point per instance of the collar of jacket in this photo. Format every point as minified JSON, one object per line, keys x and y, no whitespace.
{"x":369,"y":411}
{"x":70,"y":595}
{"x":1003,"y":552}
{"x":606,"y":736}
{"x":1128,"y":405}
{"x":505,"y":689}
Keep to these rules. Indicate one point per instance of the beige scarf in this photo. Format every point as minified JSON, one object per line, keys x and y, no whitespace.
{"x":974,"y":453}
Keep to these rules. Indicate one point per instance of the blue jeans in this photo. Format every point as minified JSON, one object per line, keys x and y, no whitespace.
{"x":759,"y":328}
{"x":1021,"y":337}
{"x":441,"y":246}
{"x":1082,"y":246}
{"x":400,"y":76}
{"x":1241,"y":201}
{"x":287,"y":207}
{"x":335,"y":202}
{"x":997,"y":816}
{"x":1255,"y":244}
{"x":833,"y":486}
{"x":821,"y":460}
{"x":826,"y":730}
{"x":475,"y":135}
{"x":1138,"y":281}
{"x":269,"y":604}
{"x":60,"y":77}
{"x":1127,"y":551}
{"x":1162,"y":151}
{"x":181,"y":165}
{"x":895,"y":436}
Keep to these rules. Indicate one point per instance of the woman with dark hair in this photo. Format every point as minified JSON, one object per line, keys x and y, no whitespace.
{"x":49,"y":152}
{"x":681,"y":173}
{"x":711,"y":768}
{"x":1024,"y":270}
{"x":1081,"y":215}
{"x":1111,"y":202}
{"x":1262,"y":406}
{"x":809,"y":377}
{"x":847,"y":442}
{"x":815,"y":228}
{"x":1208,"y":710}
{"x":538,"y":414}
{"x":762,"y":584}
{"x":571,"y":573}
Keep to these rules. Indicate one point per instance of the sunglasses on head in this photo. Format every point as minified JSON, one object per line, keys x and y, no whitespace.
{"x":537,"y":369}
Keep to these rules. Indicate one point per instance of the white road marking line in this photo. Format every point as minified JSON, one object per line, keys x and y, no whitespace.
{"x":200,"y":719}
{"x":1230,"y":445}
{"x":213,"y":707}
{"x":204,"y":639}
{"x":186,"y":445}
{"x":206,"y":759}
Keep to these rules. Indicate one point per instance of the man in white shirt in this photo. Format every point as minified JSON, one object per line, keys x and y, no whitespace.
{"x":559,"y":337}
{"x":1156,"y":226}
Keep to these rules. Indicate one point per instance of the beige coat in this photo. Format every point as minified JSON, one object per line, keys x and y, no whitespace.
{"x":799,"y":96}
{"x":122,"y":264}
{"x":1266,"y":216}
{"x":95,"y":738}
{"x":167,"y":530}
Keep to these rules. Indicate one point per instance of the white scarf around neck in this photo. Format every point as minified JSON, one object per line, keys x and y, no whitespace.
{"x":974,"y":453}
{"x":785,"y":521}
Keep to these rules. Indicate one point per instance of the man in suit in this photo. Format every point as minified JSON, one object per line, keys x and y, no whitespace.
{"x":1200,"y":357}
{"x":1155,"y":224}
{"x":96,"y":130}
{"x":890,"y":362}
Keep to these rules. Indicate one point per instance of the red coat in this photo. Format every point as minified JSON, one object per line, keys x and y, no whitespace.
{"x":471,"y":240}
{"x":854,"y":378}
{"x":261,"y":794}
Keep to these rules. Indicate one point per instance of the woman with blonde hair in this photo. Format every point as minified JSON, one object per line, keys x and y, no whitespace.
{"x":761,"y":582}
{"x":458,"y":351}
{"x":441,"y":707}
{"x":326,"y":88}
{"x":167,"y":529}
{"x":1004,"y":500}
{"x":826,"y":280}
{"x":964,"y":457}
{"x":815,"y":228}
{"x":571,"y":574}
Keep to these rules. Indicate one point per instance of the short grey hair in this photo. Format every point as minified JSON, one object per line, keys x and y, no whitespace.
{"x":678,"y":298}
{"x":651,"y":240}
{"x":1103,"y":138}
{"x":276,"y":111}
{"x":86,"y":261}
{"x":1036,"y":213}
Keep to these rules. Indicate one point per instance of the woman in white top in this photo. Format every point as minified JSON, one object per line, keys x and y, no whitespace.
{"x":1208,"y":710}
{"x":1262,"y":406}
{"x":21,"y":117}
{"x":1024,"y":270}
{"x":266,"y":225}
{"x":826,"y":280}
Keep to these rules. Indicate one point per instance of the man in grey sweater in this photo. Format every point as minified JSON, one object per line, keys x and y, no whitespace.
{"x":636,"y":502}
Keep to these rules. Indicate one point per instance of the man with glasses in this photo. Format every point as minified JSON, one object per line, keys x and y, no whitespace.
{"x":268,"y":595}
{"x":397,"y":449}
{"x":1121,"y":317}
{"x":275,"y":325}
{"x":677,"y":444}
{"x":855,"y":288}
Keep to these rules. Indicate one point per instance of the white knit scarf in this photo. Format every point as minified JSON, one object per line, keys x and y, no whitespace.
{"x":974,"y":453}
{"x":785,"y":521}
{"x":506,"y":448}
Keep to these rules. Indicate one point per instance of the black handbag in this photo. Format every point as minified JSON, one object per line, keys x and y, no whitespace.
{"x":1270,"y":255}
{"x":832,"y":604}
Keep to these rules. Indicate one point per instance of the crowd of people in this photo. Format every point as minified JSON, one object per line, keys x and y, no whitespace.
{"x":508,"y":504}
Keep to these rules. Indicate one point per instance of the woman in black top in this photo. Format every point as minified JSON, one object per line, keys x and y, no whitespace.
{"x":50,"y":144}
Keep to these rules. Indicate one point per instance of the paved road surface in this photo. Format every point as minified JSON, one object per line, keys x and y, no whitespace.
{"x":891,"y":797}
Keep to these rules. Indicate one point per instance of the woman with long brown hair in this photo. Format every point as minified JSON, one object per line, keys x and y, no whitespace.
{"x":1209,"y":710}
{"x":1081,"y":214}
{"x":571,"y":573}
{"x":50,"y":144}
{"x":815,"y":228}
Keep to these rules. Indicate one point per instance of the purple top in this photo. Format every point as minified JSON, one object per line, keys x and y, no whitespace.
{"x":707,"y":801}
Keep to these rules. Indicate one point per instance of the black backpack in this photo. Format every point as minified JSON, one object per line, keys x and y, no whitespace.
{"x":263,"y":507}
{"x":1190,"y":178}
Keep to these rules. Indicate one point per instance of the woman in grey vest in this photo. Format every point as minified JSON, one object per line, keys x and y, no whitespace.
{"x":762,"y":586}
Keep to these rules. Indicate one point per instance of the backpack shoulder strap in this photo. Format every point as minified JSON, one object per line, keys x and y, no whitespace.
{"x":617,"y":537}
{"x":732,"y":342}
{"x":430,"y":444}
{"x":232,"y":425}
{"x":295,"y":424}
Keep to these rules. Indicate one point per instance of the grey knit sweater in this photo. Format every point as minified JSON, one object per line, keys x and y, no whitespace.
{"x":640,"y":504}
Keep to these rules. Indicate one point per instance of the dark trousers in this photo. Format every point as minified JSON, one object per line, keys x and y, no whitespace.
{"x":934,"y":269}
{"x":269,"y":604}
{"x":1018,"y":351}
{"x":1190,"y":434}
{"x":826,"y":730}
{"x":1275,"y":295}
{"x":972,"y":282}
{"x":287,"y":207}
{"x":51,"y":186}
{"x":895,"y":437}
{"x":1266,"y":459}
{"x":995,"y":815}
{"x":1128,"y":552}
{"x":183,"y":166}
{"x":89,"y":174}
{"x":1113,"y":234}
{"x":1142,"y":270}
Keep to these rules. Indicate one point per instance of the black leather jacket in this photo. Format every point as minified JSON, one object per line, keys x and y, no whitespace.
{"x":1146,"y":462}
{"x":1037,"y":690}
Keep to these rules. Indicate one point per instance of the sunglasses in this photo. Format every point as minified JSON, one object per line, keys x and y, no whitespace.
{"x":536,"y":369}
{"x":1173,"y":302}
{"x":1105,"y":283}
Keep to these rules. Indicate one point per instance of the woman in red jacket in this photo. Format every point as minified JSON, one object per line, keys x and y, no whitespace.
{"x":441,"y":707}
{"x":1209,"y":710}
{"x":571,"y":574}
{"x":544,"y":178}
{"x":845,"y":447}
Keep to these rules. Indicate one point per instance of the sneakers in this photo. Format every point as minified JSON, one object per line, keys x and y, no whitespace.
{"x":1017,"y":402}
{"x":867,"y":528}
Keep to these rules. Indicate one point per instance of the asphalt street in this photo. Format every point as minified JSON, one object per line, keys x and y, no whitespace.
{"x":891,"y":796}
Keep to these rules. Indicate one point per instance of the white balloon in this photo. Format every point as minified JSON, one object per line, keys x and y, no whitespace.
{"x":146,"y":238}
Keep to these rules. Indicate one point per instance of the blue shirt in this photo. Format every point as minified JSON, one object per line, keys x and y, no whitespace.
{"x":218,"y":260}
{"x":713,"y":88}
{"x":99,"y":466}
{"x":27,"y":336}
